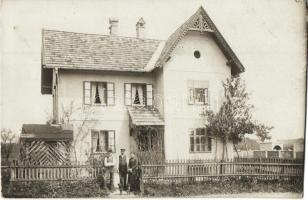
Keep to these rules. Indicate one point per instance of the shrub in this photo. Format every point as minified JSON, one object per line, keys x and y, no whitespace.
{"x":223,"y":186}
{"x":54,"y":189}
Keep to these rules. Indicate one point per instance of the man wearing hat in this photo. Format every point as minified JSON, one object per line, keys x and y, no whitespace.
{"x":109,"y":169}
{"x":122,"y":170}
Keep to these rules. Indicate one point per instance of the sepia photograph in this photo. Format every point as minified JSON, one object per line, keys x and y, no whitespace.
{"x":143,"y":99}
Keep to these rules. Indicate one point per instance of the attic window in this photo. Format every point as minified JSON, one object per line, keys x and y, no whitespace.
{"x":197,"y":54}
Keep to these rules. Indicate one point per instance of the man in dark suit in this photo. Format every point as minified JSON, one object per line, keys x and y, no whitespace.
{"x":122,"y":170}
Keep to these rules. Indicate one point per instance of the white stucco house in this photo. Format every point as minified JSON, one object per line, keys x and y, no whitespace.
{"x":145,"y":95}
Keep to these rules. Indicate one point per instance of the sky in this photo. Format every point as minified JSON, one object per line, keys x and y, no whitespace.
{"x":267,"y":36}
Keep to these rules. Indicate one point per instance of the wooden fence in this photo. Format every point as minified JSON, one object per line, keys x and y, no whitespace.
{"x":25,"y":172}
{"x":170,"y":170}
{"x":200,"y":170}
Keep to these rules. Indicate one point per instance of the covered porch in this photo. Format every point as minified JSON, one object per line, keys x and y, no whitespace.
{"x":146,"y":133}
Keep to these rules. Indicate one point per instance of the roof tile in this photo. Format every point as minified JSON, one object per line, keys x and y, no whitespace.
{"x":80,"y":50}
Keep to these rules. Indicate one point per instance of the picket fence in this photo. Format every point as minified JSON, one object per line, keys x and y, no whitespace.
{"x":201,"y":170}
{"x":78,"y":171}
{"x":169,"y":170}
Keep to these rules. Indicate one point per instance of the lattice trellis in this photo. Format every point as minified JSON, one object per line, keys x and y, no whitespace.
{"x":46,"y":152}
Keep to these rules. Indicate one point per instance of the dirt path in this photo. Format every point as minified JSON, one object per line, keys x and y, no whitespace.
{"x":116,"y":194}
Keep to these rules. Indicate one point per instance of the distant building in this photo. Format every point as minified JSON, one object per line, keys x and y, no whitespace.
{"x":269,"y":146}
{"x":292,"y":148}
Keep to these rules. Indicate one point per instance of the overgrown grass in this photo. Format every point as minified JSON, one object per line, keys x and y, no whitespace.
{"x":225,"y":186}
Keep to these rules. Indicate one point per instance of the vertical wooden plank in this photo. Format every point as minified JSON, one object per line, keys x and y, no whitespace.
{"x":49,"y":173}
{"x":12,"y":170}
{"x":64,"y":174}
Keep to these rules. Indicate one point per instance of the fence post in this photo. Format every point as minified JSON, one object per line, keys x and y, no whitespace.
{"x":12,"y":170}
{"x":220,"y":167}
{"x":141,"y":180}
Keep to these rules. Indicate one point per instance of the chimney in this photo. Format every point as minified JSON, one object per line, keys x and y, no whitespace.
{"x":113,"y":28}
{"x":140,"y":28}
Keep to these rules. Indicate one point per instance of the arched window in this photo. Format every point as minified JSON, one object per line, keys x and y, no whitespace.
{"x":277,"y":148}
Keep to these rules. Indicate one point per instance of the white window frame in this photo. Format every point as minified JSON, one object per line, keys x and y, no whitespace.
{"x":109,"y":93}
{"x":148,"y":94}
{"x":208,"y":143}
{"x":110,"y":143}
{"x":192,"y":93}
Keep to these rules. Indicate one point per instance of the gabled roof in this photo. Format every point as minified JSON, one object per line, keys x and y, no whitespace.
{"x":70,"y":50}
{"x":145,"y":116}
{"x":200,"y":21}
{"x":92,"y":51}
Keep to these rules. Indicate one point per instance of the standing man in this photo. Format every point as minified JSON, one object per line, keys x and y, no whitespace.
{"x":122,"y":170}
{"x":109,"y":169}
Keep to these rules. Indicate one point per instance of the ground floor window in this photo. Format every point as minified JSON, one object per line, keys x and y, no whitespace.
{"x":102,"y":140}
{"x":200,"y":141}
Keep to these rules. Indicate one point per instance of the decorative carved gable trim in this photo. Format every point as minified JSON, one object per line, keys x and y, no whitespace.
{"x":200,"y":21}
{"x":200,"y":24}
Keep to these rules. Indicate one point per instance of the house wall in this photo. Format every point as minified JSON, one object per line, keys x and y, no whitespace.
{"x":101,"y":117}
{"x":159,"y":90}
{"x":266,"y":146}
{"x":179,"y":115}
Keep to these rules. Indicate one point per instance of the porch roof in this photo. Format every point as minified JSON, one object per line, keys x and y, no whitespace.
{"x":145,"y":116}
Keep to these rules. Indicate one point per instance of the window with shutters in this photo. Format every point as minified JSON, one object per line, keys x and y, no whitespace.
{"x":138,"y":94}
{"x":198,"y":92}
{"x":200,"y":141}
{"x":102,"y":140}
{"x":98,"y":93}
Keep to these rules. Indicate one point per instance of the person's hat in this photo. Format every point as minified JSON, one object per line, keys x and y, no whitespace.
{"x":110,"y":150}
{"x":122,"y":149}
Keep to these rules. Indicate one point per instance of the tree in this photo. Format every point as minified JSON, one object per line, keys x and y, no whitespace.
{"x":7,"y":138}
{"x":84,"y":115}
{"x":234,"y":118}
